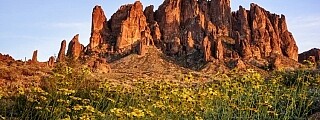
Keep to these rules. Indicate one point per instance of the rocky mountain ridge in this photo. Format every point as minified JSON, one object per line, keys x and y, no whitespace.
{"x":193,"y":32}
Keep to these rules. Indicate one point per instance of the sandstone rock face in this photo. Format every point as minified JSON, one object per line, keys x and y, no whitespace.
{"x":100,"y":66}
{"x":263,"y":33}
{"x":312,"y":55}
{"x":207,"y":49}
{"x":190,"y":43}
{"x":175,"y":46}
{"x":6,"y":58}
{"x":242,"y":32}
{"x":141,"y":48}
{"x":185,"y":28}
{"x":148,"y":12}
{"x":75,"y":48}
{"x":288,"y":44}
{"x":276,"y":63}
{"x":156,"y":34}
{"x":168,"y":17}
{"x":127,"y":25}
{"x":218,"y":48}
{"x":51,"y":61}
{"x":99,"y":29}
{"x":34,"y":57}
{"x":220,"y":14}
{"x":62,"y":51}
{"x":237,"y":63}
{"x":188,"y":21}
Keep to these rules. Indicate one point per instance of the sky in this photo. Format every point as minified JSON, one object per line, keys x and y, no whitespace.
{"x":28,"y":25}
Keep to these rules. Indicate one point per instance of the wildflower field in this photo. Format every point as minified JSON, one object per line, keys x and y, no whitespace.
{"x":77,"y":94}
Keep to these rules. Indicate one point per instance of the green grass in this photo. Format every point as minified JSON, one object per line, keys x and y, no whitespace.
{"x":75,"y":94}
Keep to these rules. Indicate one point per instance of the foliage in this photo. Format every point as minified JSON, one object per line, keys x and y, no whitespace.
{"x":73,"y":93}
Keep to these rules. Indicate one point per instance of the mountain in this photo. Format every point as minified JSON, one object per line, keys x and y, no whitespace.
{"x":194,"y":34}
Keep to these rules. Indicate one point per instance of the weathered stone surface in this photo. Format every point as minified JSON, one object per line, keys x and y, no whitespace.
{"x":242,"y":33}
{"x":127,"y":24}
{"x":156,"y":34}
{"x":259,"y":34}
{"x":75,"y":48}
{"x":175,"y":47}
{"x":276,"y":63}
{"x":146,"y":37}
{"x":220,"y":13}
{"x":101,"y":66}
{"x":141,"y":48}
{"x":185,"y":28}
{"x":288,"y":44}
{"x":312,"y":55}
{"x":148,"y":12}
{"x":190,"y":43}
{"x":218,"y":49}
{"x":6,"y":58}
{"x":207,"y":49}
{"x":168,"y":17}
{"x":62,"y":51}
{"x":99,"y":29}
{"x":50,"y":62}
{"x":237,"y":63}
{"x":34,"y":57}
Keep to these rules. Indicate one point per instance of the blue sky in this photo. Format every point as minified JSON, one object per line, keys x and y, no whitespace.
{"x":27,"y":25}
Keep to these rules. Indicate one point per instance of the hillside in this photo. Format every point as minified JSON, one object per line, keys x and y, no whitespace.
{"x":189,"y":59}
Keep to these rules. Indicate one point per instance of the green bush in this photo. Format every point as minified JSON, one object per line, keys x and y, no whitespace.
{"x":73,"y":93}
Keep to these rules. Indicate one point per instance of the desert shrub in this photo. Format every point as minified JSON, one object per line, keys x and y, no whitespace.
{"x":74,"y":93}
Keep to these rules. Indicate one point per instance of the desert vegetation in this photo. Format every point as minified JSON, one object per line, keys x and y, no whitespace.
{"x":76,"y":93}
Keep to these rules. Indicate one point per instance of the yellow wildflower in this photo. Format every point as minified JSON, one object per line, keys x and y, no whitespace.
{"x":137,"y":113}
{"x":90,"y":108}
{"x":77,"y":107}
{"x":117,"y":111}
{"x":38,"y":108}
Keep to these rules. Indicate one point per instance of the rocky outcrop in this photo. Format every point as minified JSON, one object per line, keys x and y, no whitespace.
{"x":6,"y":58}
{"x":168,"y":17}
{"x":220,"y":14}
{"x":199,"y":30}
{"x":190,"y":43}
{"x":207,"y":49}
{"x":312,"y":55}
{"x":99,"y":29}
{"x":101,"y":66}
{"x":218,"y":48}
{"x":149,"y":13}
{"x":75,"y":48}
{"x":141,"y":48}
{"x":34,"y":57}
{"x":263,"y":33}
{"x":127,"y":24}
{"x":288,"y":44}
{"x":156,"y":34}
{"x":50,"y":62}
{"x":242,"y":33}
{"x":62,"y":51}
